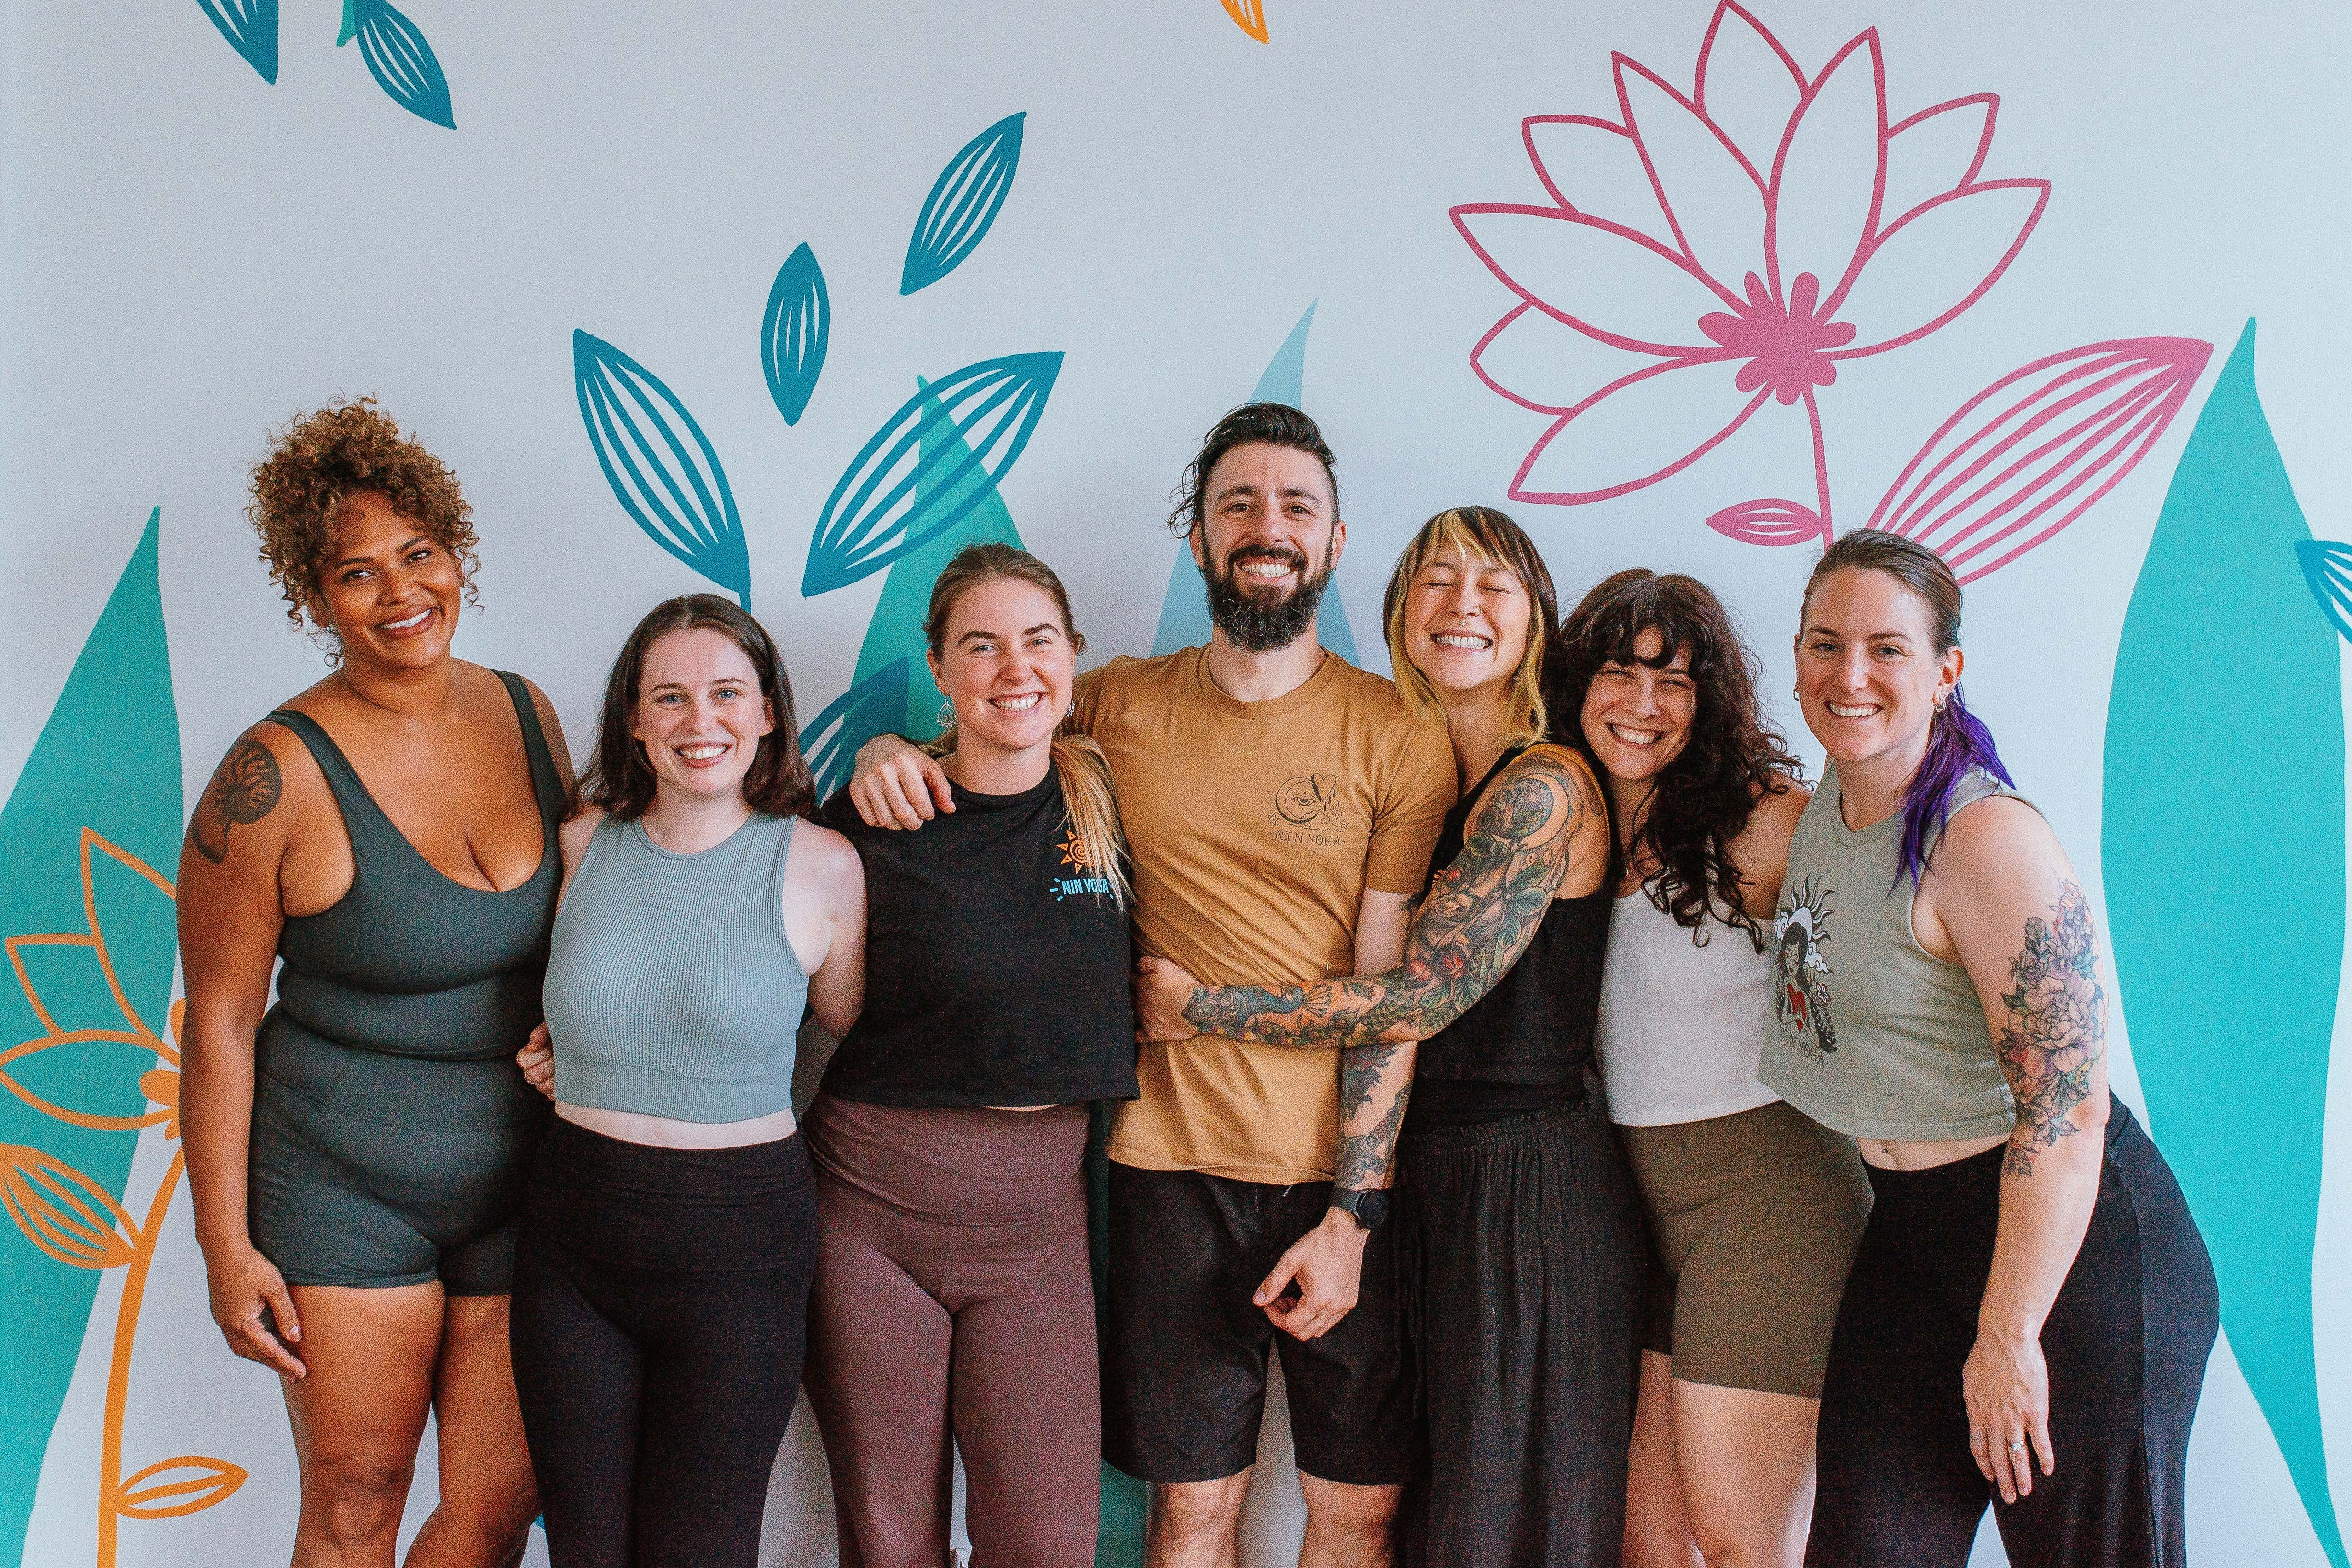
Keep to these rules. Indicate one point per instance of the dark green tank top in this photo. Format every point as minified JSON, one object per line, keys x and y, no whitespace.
{"x":409,"y":962}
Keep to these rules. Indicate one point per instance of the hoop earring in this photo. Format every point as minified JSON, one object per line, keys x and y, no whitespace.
{"x":1941,"y":698}
{"x":1798,"y":695}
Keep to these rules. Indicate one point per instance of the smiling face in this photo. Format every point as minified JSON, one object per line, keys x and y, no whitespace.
{"x":1466,"y":622}
{"x":1637,"y":717}
{"x":699,"y":714}
{"x":1006,"y":662}
{"x":1268,"y":537}
{"x":389,"y":591}
{"x":1867,"y":670}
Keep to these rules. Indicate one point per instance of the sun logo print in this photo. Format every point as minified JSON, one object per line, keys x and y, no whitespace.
{"x":1801,"y":1000}
{"x":1073,"y":851}
{"x":1079,"y":873}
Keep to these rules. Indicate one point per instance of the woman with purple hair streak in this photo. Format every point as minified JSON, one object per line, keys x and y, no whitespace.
{"x":2032,"y":1308}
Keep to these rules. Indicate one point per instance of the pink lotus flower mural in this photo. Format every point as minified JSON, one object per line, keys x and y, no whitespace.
{"x":1708,"y":254}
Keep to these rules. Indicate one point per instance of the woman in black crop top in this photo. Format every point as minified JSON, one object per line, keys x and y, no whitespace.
{"x":1520,"y":1242}
{"x":953,"y":1294}
{"x":356,"y":1152}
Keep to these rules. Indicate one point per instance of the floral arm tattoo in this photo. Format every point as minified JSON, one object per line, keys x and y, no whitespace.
{"x":2055,"y":1031}
{"x":1478,"y":917}
{"x":244,"y":789}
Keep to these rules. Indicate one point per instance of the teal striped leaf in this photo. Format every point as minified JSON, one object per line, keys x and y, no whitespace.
{"x":793,"y":334}
{"x":400,"y":60}
{"x":963,"y":203}
{"x":661,"y":467}
{"x":869,"y":707}
{"x":251,"y":28}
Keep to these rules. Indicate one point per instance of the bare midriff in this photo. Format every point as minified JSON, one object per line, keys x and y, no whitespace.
{"x":1925,"y":1155}
{"x":668,"y":1132}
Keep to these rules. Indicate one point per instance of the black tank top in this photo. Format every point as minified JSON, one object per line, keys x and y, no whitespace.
{"x":1527,"y":1042}
{"x":409,"y":962}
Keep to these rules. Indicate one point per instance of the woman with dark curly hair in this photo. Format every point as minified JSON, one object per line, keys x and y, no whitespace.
{"x":357,"y":1151}
{"x":1520,"y":1239}
{"x":1754,"y":1210}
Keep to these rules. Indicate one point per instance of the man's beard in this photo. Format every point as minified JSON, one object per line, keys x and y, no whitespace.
{"x":1262,"y":624}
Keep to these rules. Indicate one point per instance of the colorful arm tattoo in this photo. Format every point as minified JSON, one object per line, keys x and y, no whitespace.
{"x":2055,"y":1031}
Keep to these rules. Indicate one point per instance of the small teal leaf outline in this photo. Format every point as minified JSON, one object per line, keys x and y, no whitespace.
{"x":794,"y":332}
{"x":251,"y":28}
{"x":660,"y":465}
{"x":964,"y":203}
{"x":901,"y":489}
{"x":400,"y":60}
{"x":2327,"y":568}
{"x":871,"y":706}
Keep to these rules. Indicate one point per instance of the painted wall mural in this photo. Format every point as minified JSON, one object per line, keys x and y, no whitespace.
{"x":91,"y":945}
{"x":1751,"y":275}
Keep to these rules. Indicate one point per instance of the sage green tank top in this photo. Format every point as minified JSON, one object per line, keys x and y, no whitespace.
{"x":1877,"y":1037}
{"x":672,"y":989}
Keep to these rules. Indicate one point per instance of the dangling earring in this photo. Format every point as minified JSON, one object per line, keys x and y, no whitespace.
{"x":946,"y":714}
{"x":1942,"y":698}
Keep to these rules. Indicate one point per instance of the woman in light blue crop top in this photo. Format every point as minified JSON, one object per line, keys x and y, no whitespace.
{"x":2028,"y":1317}
{"x":669,"y":1231}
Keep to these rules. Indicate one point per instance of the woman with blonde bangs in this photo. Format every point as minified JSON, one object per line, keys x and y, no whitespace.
{"x":954,"y":1297}
{"x":1519,"y":1241}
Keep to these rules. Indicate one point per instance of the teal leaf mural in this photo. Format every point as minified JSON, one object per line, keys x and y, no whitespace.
{"x":105,"y":765}
{"x":251,"y":28}
{"x":1184,"y":609}
{"x":794,"y":332}
{"x":661,"y":467}
{"x":2328,"y":569}
{"x":2229,"y":951}
{"x":869,"y":707}
{"x":399,"y":59}
{"x":895,"y":635}
{"x":907,"y":485}
{"x":963,"y":205}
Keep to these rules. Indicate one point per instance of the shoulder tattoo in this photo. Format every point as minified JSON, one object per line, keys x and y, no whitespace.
{"x":244,"y":789}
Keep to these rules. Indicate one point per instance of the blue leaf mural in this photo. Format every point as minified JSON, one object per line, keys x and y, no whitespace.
{"x":2229,"y":951}
{"x":1184,"y":609}
{"x":659,"y":464}
{"x":400,"y":60}
{"x":871,"y":706}
{"x":964,"y":201}
{"x":251,"y":28}
{"x":107,"y":764}
{"x":793,"y":334}
{"x":906,"y":485}
{"x":2327,"y":568}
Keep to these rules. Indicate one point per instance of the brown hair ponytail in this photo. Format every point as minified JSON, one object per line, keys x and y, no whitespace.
{"x":1078,"y":762}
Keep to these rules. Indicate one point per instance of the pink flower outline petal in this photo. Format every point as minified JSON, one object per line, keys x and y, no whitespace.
{"x":1878,"y":242}
{"x":1724,"y":12}
{"x":1496,"y":383}
{"x":1462,"y":213}
{"x":1622,"y":67}
{"x":1987,"y":104}
{"x":1529,"y":131}
{"x":1579,"y":498}
{"x":1835,"y":290}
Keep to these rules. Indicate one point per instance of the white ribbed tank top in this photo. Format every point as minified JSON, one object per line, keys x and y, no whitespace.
{"x":1682,"y":1026}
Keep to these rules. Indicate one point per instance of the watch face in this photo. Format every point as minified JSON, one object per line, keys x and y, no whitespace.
{"x":1372,"y":1207}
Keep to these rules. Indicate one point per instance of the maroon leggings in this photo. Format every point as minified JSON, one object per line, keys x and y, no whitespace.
{"x":953,"y":1300}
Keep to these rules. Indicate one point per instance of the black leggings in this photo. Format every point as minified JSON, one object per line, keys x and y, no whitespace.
{"x":660,"y":1304}
{"x":2126,"y":1343}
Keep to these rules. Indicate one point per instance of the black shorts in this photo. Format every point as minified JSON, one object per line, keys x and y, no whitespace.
{"x":1184,"y":1358}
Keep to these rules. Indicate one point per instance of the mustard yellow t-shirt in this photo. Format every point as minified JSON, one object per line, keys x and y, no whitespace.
{"x":1253,"y":829}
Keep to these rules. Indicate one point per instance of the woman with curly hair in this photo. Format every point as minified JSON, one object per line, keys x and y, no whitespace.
{"x":357,"y":1151}
{"x":2030,"y":1310}
{"x":1519,"y":1239}
{"x":1754,"y":1210}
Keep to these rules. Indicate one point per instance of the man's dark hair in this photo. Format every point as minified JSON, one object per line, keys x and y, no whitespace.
{"x":1253,"y":424}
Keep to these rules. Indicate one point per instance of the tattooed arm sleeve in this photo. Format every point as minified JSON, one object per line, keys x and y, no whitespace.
{"x":2053,"y":1032}
{"x":1477,"y":919}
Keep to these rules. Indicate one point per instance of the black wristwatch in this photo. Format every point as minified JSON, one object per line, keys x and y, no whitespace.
{"x":1368,"y":1206}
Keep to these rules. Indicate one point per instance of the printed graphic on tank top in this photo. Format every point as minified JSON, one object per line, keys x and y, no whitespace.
{"x":1801,"y":1000}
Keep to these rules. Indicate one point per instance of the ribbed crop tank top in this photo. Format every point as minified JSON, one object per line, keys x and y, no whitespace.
{"x":408,"y":962}
{"x":1682,"y":1026}
{"x":1875,"y":1035}
{"x":1536,"y":1026}
{"x":672,"y":989}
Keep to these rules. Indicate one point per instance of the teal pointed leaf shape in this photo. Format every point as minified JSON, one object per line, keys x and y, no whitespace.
{"x":251,"y":28}
{"x":896,"y":631}
{"x":963,"y":205}
{"x":907,"y":485}
{"x":2229,"y":951}
{"x":108,"y":763}
{"x":794,"y":332}
{"x":1184,"y":608}
{"x":661,"y":467}
{"x":2328,"y":569}
{"x":399,"y":59}
{"x":869,"y":707}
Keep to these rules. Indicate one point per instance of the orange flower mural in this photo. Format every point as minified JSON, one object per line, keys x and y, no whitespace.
{"x":78,"y":1222}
